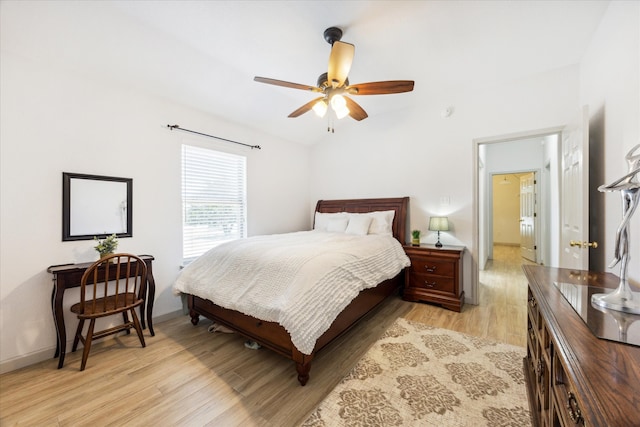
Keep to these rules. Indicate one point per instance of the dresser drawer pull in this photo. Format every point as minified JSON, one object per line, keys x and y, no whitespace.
{"x":429,"y":285}
{"x":574,"y":410}
{"x":430,"y":269}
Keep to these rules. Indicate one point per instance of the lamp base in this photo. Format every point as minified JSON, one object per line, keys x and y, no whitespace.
{"x":438,"y":244}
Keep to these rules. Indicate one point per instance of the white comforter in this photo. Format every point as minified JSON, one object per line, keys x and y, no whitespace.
{"x":301,"y":280}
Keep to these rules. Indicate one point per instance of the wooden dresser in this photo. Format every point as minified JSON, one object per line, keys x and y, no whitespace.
{"x":435,"y":275}
{"x":573,"y":377}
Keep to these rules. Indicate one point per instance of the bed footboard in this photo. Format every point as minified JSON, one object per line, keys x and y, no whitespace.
{"x":273,"y":336}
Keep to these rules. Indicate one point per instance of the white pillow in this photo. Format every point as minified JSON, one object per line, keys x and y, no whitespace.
{"x":337,"y":225}
{"x":382,"y":222}
{"x":359,"y":224}
{"x":322,"y":219}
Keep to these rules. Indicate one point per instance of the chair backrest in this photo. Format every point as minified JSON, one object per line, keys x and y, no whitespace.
{"x":113,"y":283}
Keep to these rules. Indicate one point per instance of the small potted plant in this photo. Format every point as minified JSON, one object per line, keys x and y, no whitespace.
{"x":106,"y":246}
{"x":415,"y":237}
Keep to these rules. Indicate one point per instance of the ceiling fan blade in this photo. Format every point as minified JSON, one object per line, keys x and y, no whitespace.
{"x":355,"y":110}
{"x":286,"y":84}
{"x":306,"y":107}
{"x":381,"y":88}
{"x":340,"y":62}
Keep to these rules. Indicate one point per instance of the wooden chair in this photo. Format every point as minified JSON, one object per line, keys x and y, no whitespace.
{"x":112,"y":285}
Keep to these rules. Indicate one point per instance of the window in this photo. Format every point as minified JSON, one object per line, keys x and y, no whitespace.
{"x":213,"y":199}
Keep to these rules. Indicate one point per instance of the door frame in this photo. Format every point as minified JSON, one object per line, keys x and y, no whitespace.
{"x":477,"y":164}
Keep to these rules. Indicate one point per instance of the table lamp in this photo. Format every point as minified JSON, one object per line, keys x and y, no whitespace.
{"x":439,"y":223}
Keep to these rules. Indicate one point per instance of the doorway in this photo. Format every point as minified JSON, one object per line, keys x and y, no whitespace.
{"x":514,"y":216}
{"x":536,"y":151}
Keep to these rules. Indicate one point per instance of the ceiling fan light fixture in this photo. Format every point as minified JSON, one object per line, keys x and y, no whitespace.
{"x":341,"y":112}
{"x":320,"y":108}
{"x":339,"y":105}
{"x":338,"y":101}
{"x":332,"y":85}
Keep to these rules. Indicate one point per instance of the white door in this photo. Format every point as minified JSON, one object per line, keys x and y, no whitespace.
{"x":574,"y":194}
{"x":528,"y":216}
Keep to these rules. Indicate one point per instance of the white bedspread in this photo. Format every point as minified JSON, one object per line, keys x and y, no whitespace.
{"x":301,"y":280}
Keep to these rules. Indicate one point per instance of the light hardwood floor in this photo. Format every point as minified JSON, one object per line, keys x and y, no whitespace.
{"x":189,"y":377}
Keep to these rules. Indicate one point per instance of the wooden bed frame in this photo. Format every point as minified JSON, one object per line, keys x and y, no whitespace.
{"x":272,"y":335}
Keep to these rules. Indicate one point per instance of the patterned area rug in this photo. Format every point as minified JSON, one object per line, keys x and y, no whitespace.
{"x":419,"y":375}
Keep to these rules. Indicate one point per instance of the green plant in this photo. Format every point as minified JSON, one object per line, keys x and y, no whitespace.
{"x":415,"y":234}
{"x":106,"y":246}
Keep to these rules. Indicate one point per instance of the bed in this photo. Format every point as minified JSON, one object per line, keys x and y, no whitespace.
{"x":273,"y":335}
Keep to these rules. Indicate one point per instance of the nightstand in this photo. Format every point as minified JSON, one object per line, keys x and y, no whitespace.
{"x":435,"y":275}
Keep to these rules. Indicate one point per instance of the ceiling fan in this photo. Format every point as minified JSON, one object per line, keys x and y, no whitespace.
{"x":334,"y":84}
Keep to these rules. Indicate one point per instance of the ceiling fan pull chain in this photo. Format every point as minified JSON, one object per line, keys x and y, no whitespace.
{"x":330,"y":124}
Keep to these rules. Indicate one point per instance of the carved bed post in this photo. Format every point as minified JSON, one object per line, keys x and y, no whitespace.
{"x":195,"y":317}
{"x":303,"y":365}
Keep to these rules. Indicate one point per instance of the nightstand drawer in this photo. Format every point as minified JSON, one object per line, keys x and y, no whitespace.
{"x":424,"y":265}
{"x":432,"y":283}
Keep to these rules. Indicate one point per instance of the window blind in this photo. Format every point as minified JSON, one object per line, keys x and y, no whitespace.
{"x":213,"y":199}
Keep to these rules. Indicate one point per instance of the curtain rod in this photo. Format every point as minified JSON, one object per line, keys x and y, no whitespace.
{"x":172,"y":127}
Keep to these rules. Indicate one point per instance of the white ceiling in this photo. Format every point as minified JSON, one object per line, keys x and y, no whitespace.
{"x":205,"y":54}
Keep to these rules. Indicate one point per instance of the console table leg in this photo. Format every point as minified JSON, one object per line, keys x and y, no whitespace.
{"x":151,"y":289}
{"x":58,"y":319}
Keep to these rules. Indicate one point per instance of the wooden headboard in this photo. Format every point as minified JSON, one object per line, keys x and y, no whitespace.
{"x":400,"y":205}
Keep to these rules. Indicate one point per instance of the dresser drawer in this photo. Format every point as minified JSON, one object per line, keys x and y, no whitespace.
{"x":426,"y":265}
{"x":432,"y":282}
{"x":567,"y":407}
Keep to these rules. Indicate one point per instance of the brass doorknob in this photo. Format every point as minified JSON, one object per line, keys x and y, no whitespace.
{"x":584,"y":244}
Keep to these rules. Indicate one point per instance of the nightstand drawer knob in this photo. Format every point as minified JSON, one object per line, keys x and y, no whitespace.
{"x":429,"y":285}
{"x":430,"y":269}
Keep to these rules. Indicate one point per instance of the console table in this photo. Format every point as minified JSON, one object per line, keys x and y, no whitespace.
{"x":69,"y":276}
{"x":573,"y":377}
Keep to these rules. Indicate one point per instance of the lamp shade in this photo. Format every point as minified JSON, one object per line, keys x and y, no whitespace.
{"x":439,"y":223}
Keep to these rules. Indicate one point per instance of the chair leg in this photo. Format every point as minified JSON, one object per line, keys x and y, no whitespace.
{"x":136,"y":324}
{"x":78,"y":334}
{"x":87,"y":344}
{"x":125,"y":318}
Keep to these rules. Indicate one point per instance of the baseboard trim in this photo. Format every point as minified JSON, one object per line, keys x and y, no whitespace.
{"x":47,"y":354}
{"x":167,"y":316}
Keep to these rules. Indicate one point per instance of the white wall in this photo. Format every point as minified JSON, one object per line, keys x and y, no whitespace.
{"x":610,"y":86}
{"x":420,"y":154}
{"x":55,"y":121}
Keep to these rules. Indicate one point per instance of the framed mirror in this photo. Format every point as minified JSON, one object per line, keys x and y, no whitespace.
{"x":94,"y":205}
